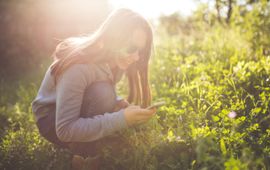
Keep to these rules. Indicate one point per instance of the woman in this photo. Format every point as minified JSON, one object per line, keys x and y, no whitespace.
{"x":76,"y":104}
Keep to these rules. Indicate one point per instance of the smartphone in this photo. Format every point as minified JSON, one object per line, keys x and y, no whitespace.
{"x":156,"y":105}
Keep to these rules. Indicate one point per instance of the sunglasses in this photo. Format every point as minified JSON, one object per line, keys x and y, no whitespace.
{"x":128,"y":50}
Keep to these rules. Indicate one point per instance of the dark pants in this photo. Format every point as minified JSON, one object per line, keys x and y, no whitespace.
{"x":98,"y":98}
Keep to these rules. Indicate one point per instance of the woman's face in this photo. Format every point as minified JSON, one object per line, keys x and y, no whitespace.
{"x":130,"y":53}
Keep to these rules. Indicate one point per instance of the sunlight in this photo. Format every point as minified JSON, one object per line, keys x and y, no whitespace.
{"x":74,"y":9}
{"x":154,"y":8}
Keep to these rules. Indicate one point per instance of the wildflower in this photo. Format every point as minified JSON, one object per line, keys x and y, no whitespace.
{"x":232,"y":114}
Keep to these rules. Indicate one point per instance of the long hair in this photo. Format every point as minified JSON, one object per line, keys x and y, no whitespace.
{"x":114,"y":33}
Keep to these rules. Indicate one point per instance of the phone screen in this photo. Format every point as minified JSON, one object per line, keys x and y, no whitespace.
{"x":156,"y":105}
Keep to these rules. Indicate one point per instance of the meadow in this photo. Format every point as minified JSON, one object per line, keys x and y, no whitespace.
{"x":215,"y":79}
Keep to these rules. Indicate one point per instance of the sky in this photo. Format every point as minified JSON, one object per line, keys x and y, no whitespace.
{"x":154,"y":8}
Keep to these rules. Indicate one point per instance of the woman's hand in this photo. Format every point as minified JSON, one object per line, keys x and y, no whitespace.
{"x":121,"y":104}
{"x":136,"y":115}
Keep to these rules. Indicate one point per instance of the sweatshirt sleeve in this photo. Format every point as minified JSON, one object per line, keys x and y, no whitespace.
{"x":70,"y":127}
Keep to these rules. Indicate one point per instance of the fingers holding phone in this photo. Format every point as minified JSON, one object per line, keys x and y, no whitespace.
{"x":136,"y":115}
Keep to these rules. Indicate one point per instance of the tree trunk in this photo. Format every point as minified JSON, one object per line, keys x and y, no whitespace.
{"x":218,"y":10}
{"x":229,"y":13}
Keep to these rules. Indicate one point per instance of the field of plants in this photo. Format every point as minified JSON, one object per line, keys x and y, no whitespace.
{"x":215,"y":79}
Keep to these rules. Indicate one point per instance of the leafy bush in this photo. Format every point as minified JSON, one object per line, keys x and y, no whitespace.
{"x":24,"y":149}
{"x":217,"y":89}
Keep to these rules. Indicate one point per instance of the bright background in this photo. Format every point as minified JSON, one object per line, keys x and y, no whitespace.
{"x":211,"y":66}
{"x":154,"y":8}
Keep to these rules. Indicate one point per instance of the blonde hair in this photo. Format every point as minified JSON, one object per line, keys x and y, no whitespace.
{"x":114,"y":33}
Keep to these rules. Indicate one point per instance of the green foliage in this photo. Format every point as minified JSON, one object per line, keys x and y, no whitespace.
{"x":21,"y":145}
{"x":215,"y":80}
{"x":25,"y":149}
{"x":254,"y":24}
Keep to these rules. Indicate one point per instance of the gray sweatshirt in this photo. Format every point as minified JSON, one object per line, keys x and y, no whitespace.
{"x":67,"y":96}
